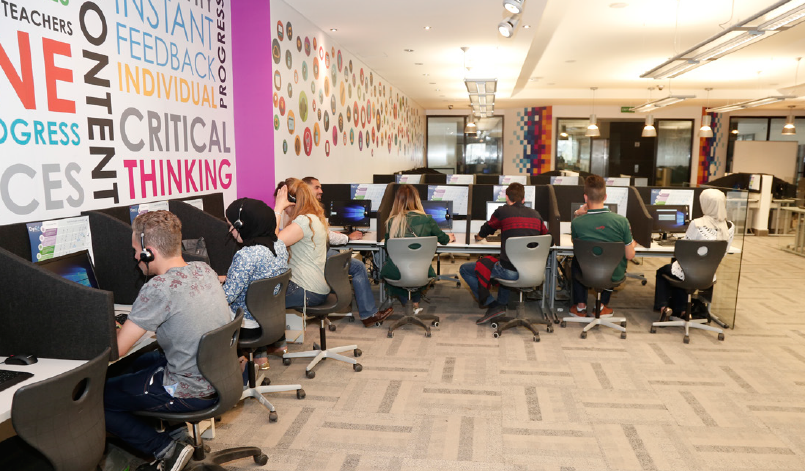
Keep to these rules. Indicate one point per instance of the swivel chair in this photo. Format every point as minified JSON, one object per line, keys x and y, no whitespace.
{"x":699,"y":260}
{"x":336,"y":272}
{"x":266,"y":302}
{"x":598,"y":261}
{"x":413,"y":256}
{"x":217,"y":360}
{"x":529,"y":256}
{"x":59,"y":421}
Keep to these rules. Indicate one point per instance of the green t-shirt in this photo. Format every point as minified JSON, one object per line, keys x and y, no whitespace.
{"x":602,"y":226}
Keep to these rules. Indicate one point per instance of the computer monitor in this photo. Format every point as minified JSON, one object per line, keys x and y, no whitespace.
{"x":613,"y":208}
{"x":441,"y":212}
{"x":491,"y":206}
{"x":76,"y":267}
{"x":669,"y":219}
{"x":350,"y":214}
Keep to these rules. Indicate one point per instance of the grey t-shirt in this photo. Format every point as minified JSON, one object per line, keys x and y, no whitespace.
{"x":181,"y":306}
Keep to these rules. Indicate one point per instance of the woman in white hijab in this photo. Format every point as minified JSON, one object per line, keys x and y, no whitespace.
{"x":713,"y":225}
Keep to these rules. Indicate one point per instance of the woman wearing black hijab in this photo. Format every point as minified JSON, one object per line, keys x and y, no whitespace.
{"x":252,"y":223}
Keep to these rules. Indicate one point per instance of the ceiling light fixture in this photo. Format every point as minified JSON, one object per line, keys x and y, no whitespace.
{"x":470,"y":127}
{"x":790,"y":129}
{"x":667,"y":101}
{"x":784,"y":14}
{"x":513,"y":6}
{"x":507,"y":26}
{"x":592,"y":129}
{"x":526,"y":26}
{"x":481,"y":86}
{"x":333,"y":30}
{"x":748,"y":104}
{"x":649,"y":130}
{"x":706,"y":131}
{"x":427,"y":28}
{"x":564,"y":132}
{"x":408,"y":50}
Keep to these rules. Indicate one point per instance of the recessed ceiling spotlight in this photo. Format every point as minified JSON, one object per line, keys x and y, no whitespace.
{"x":570,"y":61}
{"x":551,"y":83}
{"x":418,"y":63}
{"x":513,"y":6}
{"x":438,"y":90}
{"x":618,"y":5}
{"x":427,"y":28}
{"x":507,"y":26}
{"x":333,"y":30}
{"x":408,"y":50}
{"x":433,"y":83}
{"x":534,"y":79}
{"x":526,"y":26}
{"x":425,"y":75}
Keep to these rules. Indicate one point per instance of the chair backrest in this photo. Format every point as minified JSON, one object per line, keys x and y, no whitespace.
{"x":336,"y":272}
{"x":266,"y":302}
{"x":699,"y":260}
{"x":217,"y":361}
{"x":62,"y":417}
{"x":529,"y":256}
{"x":598,"y":260}
{"x":413,"y":256}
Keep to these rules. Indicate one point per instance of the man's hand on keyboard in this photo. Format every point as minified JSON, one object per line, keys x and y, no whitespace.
{"x":478,"y":238}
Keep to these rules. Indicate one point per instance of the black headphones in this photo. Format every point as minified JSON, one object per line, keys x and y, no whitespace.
{"x":145,"y":254}
{"x":238,"y":224}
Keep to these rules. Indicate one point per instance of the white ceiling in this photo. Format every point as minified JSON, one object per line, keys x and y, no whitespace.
{"x":572,"y":45}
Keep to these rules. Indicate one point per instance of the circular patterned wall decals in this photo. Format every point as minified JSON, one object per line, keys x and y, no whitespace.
{"x":344,"y":137}
{"x":362,"y":77}
{"x":326,"y":86}
{"x":288,"y":59}
{"x":350,"y":66}
{"x":371,"y":79}
{"x":341,"y":95}
{"x":276,"y":122}
{"x":316,"y":68}
{"x":318,"y":114}
{"x":327,"y":59}
{"x":297,"y":145}
{"x":276,"y":99}
{"x":313,"y":105}
{"x":360,"y":141}
{"x":377,"y":120}
{"x":284,"y":146}
{"x":349,"y":114}
{"x":308,"y":141}
{"x":314,"y":44}
{"x":321,"y":52}
{"x":363,"y":117}
{"x":276,"y":52}
{"x":327,"y":148}
{"x":355,"y":111}
{"x":295,"y":76}
{"x":359,"y":93}
{"x":332,"y":52}
{"x":298,"y":44}
{"x":340,"y":125}
{"x":282,"y":106}
{"x":290,"y":90}
{"x":304,"y":71}
{"x":321,"y":96}
{"x":302,"y":106}
{"x":280,"y":30}
{"x":339,"y":61}
{"x":312,"y":87}
{"x":291,"y":122}
{"x":353,"y":78}
{"x":307,"y":47}
{"x":277,"y":80}
{"x":326,"y":121}
{"x":335,"y":136}
{"x":289,"y":30}
{"x":316,"y":134}
{"x":352,"y":137}
{"x":333,"y":75}
{"x":349,"y":89}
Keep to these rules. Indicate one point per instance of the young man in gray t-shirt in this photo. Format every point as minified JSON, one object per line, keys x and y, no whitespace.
{"x":181,"y":302}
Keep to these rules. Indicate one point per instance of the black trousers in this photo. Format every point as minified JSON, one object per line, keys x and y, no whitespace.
{"x":666,"y":295}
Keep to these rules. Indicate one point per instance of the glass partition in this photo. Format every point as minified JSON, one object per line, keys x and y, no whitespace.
{"x":674,"y":143}
{"x":572,"y":146}
{"x":445,"y":141}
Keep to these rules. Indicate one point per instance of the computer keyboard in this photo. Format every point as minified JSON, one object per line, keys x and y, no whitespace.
{"x":493,"y":238}
{"x":9,"y":378}
{"x":121,"y":318}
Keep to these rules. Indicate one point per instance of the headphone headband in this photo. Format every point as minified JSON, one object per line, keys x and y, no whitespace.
{"x":145,"y":254}
{"x":238,"y":224}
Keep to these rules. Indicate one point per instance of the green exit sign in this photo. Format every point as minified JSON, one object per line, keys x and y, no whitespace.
{"x":627,"y":109}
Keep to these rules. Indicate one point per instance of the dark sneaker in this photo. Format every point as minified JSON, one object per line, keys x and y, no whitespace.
{"x":182,"y":454}
{"x":491,"y":313}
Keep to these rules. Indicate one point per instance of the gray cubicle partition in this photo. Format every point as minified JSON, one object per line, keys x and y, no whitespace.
{"x":51,"y":317}
{"x":14,"y":238}
{"x":196,"y":223}
{"x":115,"y":265}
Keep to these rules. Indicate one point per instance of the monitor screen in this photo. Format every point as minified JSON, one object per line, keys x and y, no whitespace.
{"x":613,"y":208}
{"x":353,"y":213}
{"x":669,"y":218}
{"x":491,"y":206}
{"x":76,"y":267}
{"x":441,"y":212}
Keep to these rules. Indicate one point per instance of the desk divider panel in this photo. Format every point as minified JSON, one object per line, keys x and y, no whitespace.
{"x":121,"y":213}
{"x":213,"y":203}
{"x":565,"y":196}
{"x":14,"y":238}
{"x":640,"y":220}
{"x":115,"y":266}
{"x":196,"y":223}
{"x":696,"y":211}
{"x":383,"y":178}
{"x":549,"y":210}
{"x":51,"y":317}
{"x":486,"y":179}
{"x":334,"y":192}
{"x":434,"y":178}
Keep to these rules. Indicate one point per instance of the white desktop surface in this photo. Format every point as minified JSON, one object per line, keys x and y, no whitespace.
{"x":45,"y":368}
{"x":655,"y":249}
{"x":369,"y":238}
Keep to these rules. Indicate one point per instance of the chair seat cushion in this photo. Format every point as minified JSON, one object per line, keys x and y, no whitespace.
{"x":513,"y":283}
{"x":322,"y":309}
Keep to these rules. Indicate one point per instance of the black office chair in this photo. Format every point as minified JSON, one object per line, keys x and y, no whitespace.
{"x":218,"y":362}
{"x":336,"y":272}
{"x":413,"y":257}
{"x":266,"y":302}
{"x":529,"y":256}
{"x":59,"y":421}
{"x":598,"y":261}
{"x":699,"y":260}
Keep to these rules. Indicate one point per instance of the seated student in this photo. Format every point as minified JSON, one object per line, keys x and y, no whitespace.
{"x":253,"y":224}
{"x":408,"y":219}
{"x":514,"y":219}
{"x":367,"y":308}
{"x":713,"y":225}
{"x":181,"y":302}
{"x":598,"y":224}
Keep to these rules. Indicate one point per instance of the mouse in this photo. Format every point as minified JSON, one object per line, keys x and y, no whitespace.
{"x":21,"y":360}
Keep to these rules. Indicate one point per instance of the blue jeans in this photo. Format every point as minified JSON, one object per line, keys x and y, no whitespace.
{"x":360,"y":284}
{"x":467,"y":272}
{"x":296,"y":295}
{"x":142,"y":391}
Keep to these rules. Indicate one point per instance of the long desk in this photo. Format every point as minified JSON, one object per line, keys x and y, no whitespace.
{"x":44,"y":369}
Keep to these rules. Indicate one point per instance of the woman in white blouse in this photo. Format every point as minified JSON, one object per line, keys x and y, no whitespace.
{"x":713,"y":225}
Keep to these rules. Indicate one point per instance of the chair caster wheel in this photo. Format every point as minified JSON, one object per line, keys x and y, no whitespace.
{"x":357,"y":367}
{"x":333,"y":327}
{"x":556,"y":321}
{"x":623,"y":335}
{"x":310,"y":374}
{"x":496,"y":334}
{"x":494,"y":325}
{"x":623,"y":324}
{"x":653,"y":330}
{"x":357,"y":352}
{"x":584,"y":335}
{"x":721,"y":336}
{"x":316,"y":346}
{"x":266,"y":382}
{"x":286,"y":361}
{"x":563,"y":324}
{"x":644,"y":282}
{"x":300,"y":394}
{"x":262,"y":459}
{"x":207,"y":449}
{"x":427,"y":334}
{"x":435,"y":323}
{"x":536,"y":338}
{"x":378,"y":324}
{"x":350,"y":319}
{"x":458,"y":285}
{"x":686,"y":339}
{"x":272,"y":416}
{"x":391,"y":334}
{"x":550,"y":329}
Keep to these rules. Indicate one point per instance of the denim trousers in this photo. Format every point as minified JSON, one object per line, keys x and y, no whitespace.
{"x":142,"y":390}
{"x":467,"y":272}
{"x":360,"y":284}
{"x":295,"y":296}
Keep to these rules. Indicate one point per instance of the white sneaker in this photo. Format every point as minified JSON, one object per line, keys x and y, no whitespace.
{"x":418,"y":310}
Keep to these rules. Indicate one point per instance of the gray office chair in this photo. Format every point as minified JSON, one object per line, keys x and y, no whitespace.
{"x":529,"y":256}
{"x":413,"y":257}
{"x":217,"y":360}
{"x":597,"y":261}
{"x":336,"y":272}
{"x":266,"y":302}
{"x":699,"y":260}
{"x":59,"y":421}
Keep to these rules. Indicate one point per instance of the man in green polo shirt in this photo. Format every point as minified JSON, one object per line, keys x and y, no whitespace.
{"x":595,"y":222}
